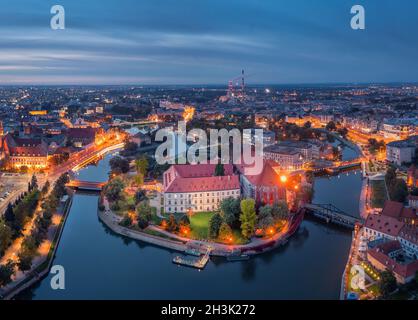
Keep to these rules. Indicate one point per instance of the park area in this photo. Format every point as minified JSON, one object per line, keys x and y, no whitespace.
{"x":379,"y":194}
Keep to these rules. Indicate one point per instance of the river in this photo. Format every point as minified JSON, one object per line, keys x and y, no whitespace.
{"x":102,"y":265}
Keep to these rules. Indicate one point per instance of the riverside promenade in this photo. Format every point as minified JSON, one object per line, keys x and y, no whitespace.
{"x":178,"y":243}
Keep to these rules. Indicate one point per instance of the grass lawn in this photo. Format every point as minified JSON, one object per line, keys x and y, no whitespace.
{"x":199,"y":223}
{"x":378,"y":193}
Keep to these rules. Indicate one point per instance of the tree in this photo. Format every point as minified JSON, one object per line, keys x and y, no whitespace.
{"x":9,"y":215}
{"x":144,"y":210}
{"x":399,"y":191}
{"x":142,"y":223}
{"x":307,"y":125}
{"x":331,"y":126}
{"x":6,"y":272}
{"x":113,"y":189}
{"x":139,"y":179}
{"x":230,"y":210}
{"x":25,"y":259}
{"x":131,"y":147}
{"x":141,"y":165}
{"x":265,"y":217}
{"x":46,"y":187}
{"x":219,"y":170}
{"x":5,"y":236}
{"x":265,"y":211}
{"x":139,"y":196}
{"x":387,"y":282}
{"x":119,"y":165}
{"x":172,"y":223}
{"x":390,"y":176}
{"x":280,"y":210}
{"x":225,"y":232}
{"x":214,"y":225}
{"x":34,"y":182}
{"x":126,"y":221}
{"x":248,"y":217}
{"x":184,"y":221}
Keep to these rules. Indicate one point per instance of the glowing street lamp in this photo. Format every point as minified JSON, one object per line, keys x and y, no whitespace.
{"x":283,"y":179}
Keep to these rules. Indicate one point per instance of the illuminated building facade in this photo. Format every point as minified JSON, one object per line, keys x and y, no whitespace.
{"x":25,"y":152}
{"x":195,"y":188}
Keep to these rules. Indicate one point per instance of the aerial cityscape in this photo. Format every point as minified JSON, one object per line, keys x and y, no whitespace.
{"x":120,"y":181}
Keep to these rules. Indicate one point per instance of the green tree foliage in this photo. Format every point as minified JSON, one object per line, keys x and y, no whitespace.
{"x":331,"y":126}
{"x":34,"y":182}
{"x":230,"y":210}
{"x":25,"y":209}
{"x":6,"y":234}
{"x":119,"y":165}
{"x":138,"y":179}
{"x":25,"y":258}
{"x":265,"y":217}
{"x":142,"y":223}
{"x":6,"y":272}
{"x":144,"y":210}
{"x":9,"y":215}
{"x":399,"y":191}
{"x":387,"y":282}
{"x":130,"y":147}
{"x":184,"y":221}
{"x":214,"y":225}
{"x":307,"y":125}
{"x":126,"y":221}
{"x":280,"y":210}
{"x":113,"y":189}
{"x":225,"y":232}
{"x":172,"y":224}
{"x":46,"y":187}
{"x":219,"y":170}
{"x":248,"y":217}
{"x":374,"y":146}
{"x":141,"y":165}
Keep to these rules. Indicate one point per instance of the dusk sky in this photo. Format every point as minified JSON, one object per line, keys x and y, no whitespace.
{"x":207,"y":42}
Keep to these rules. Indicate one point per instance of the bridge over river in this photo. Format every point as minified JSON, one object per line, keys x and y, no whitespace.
{"x":86,"y":185}
{"x":332,"y":214}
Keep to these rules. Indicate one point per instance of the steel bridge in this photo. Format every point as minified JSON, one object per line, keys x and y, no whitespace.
{"x":332,"y":214}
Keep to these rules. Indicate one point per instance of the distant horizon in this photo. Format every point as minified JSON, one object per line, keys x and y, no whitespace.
{"x":251,"y":85}
{"x":184,"y":42}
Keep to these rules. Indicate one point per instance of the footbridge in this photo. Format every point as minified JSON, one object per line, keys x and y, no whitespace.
{"x":86,"y":185}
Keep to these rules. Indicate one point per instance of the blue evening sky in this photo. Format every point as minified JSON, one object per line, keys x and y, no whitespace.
{"x":207,"y":42}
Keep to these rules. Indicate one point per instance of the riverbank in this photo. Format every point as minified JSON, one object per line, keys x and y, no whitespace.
{"x":41,"y":268}
{"x":256,"y":246}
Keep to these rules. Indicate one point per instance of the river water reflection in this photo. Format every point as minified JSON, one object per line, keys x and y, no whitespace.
{"x":102,"y":265}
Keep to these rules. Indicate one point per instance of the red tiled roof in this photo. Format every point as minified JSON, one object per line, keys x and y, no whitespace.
{"x":381,"y":254}
{"x":268,"y":177}
{"x":201,"y":170}
{"x":84,"y":133}
{"x":397,"y":210}
{"x":17,"y":146}
{"x":202,"y":184}
{"x":385,"y":224}
{"x":392,"y":209}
